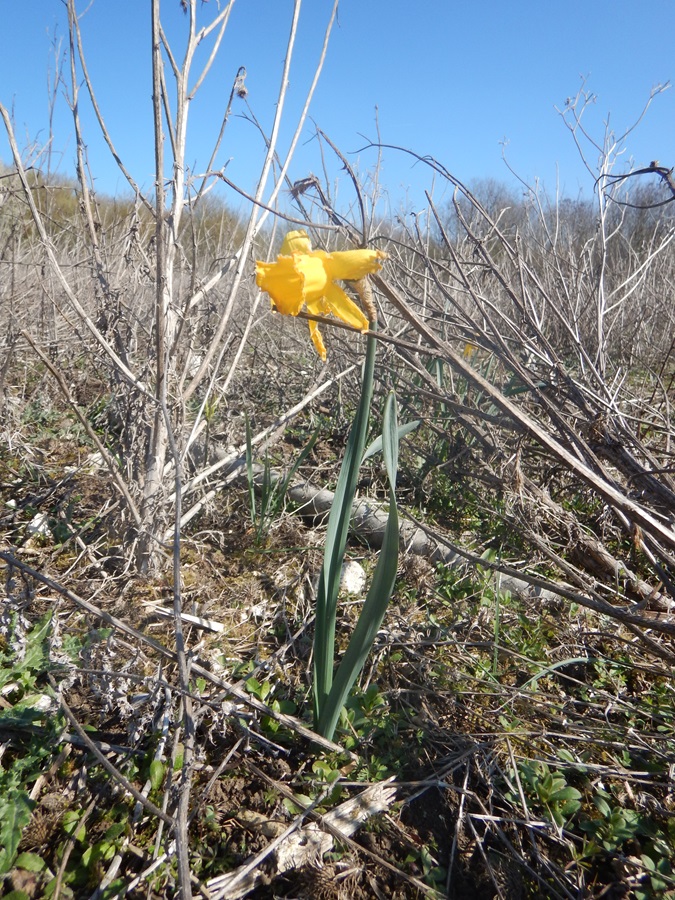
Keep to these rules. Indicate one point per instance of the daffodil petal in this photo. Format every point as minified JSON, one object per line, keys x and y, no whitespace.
{"x":344,"y":308}
{"x":318,"y":307}
{"x":350,"y":265}
{"x":296,"y":242}
{"x":313,"y":273}
{"x":283,"y":282}
{"x":317,"y":340}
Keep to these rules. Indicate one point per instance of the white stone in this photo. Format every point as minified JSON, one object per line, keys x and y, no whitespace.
{"x":353,"y":577}
{"x":39,"y":524}
{"x":89,"y":466}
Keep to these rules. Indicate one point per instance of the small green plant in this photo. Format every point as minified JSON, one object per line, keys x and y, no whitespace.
{"x":434,"y":874}
{"x":209,"y":411}
{"x":259,"y":689}
{"x":615,"y":826}
{"x":618,"y":830}
{"x":30,"y":714}
{"x":271,"y":488}
{"x":550,"y":791}
{"x":497,"y":597}
{"x":16,"y":808}
{"x":659,"y":880}
{"x":264,"y":691}
{"x":365,"y":711}
{"x":105,"y":849}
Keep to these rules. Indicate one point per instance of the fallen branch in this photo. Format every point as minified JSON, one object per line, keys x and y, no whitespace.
{"x":298,"y":846}
{"x":369,"y":521}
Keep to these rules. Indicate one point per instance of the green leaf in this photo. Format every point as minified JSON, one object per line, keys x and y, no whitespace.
{"x":257,"y":688}
{"x":65,"y":893}
{"x":249,"y":470}
{"x":602,"y":806}
{"x":15,"y":813}
{"x":116,"y":888}
{"x":564,"y":794}
{"x":178,"y":759}
{"x":105,"y":850}
{"x":376,"y":446}
{"x":71,"y":825}
{"x":291,"y":808}
{"x":157,"y":771}
{"x":116,"y":830}
{"x":30,"y":862}
{"x":325,"y":771}
{"x":21,"y":716}
{"x":35,"y":659}
{"x":37,"y":651}
{"x":557,"y":816}
{"x":380,"y":592}
{"x":336,"y":539}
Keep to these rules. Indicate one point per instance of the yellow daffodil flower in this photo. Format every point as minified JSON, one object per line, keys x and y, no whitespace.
{"x":305,"y":277}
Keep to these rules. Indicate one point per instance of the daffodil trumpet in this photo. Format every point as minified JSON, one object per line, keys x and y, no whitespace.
{"x":302,"y":277}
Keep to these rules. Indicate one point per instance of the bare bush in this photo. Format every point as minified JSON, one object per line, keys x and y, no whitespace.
{"x":147,"y":300}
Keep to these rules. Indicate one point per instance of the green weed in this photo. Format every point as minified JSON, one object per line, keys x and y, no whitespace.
{"x":34,"y":728}
{"x":550,"y":792}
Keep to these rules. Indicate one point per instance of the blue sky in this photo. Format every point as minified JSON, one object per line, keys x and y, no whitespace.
{"x":461,"y":82}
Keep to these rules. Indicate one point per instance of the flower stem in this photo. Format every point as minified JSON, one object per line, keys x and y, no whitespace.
{"x":336,"y":538}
